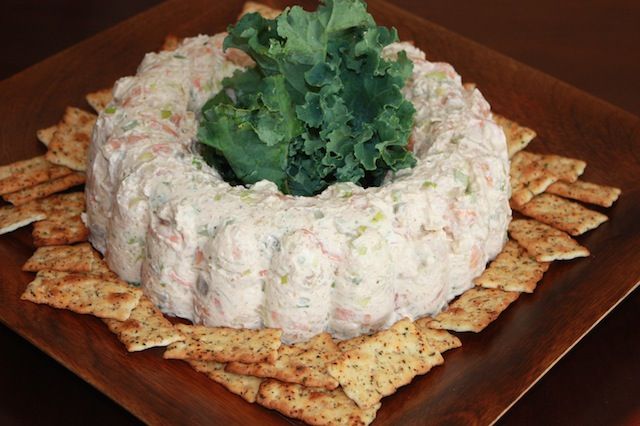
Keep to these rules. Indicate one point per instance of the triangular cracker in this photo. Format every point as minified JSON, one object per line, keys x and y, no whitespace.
{"x":70,"y":144}
{"x":83,"y":293}
{"x":440,"y":340}
{"x":44,"y":189}
{"x":146,"y":328}
{"x":99,"y":99}
{"x":514,"y":269}
{"x":592,"y":193}
{"x":544,"y":242}
{"x":245,"y":386}
{"x":475,"y":309}
{"x":518,"y":137}
{"x":46,"y":135}
{"x":78,"y":258}
{"x":224,"y":344}
{"x":12,"y":218}
{"x":314,"y":406}
{"x":383,"y":362}
{"x":302,"y":363}
{"x":59,"y":232}
{"x":27,"y":173}
{"x":562,"y":214}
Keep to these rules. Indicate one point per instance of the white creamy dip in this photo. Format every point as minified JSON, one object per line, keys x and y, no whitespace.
{"x":348,"y":261}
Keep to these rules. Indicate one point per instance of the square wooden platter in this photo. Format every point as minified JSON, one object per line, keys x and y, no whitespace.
{"x":478,"y":382}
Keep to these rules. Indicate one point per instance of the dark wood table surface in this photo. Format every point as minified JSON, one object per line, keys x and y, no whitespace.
{"x":591,"y":45}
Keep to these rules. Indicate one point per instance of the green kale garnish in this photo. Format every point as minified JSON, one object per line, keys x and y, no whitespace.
{"x":320,"y":106}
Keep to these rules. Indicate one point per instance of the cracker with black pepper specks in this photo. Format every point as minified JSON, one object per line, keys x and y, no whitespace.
{"x":145,"y":328}
{"x":28,"y":173}
{"x":474,"y":310}
{"x":99,"y":99}
{"x":224,"y":344}
{"x":70,"y":143}
{"x":245,"y":386}
{"x":316,"y":406}
{"x":12,"y":217}
{"x":587,"y":192}
{"x":46,"y":135}
{"x":78,"y":258}
{"x":84,"y":294}
{"x":440,"y":340}
{"x":45,"y":189}
{"x":562,"y":214}
{"x":518,"y":137}
{"x":514,"y":269}
{"x":303,"y":363}
{"x":382,"y":363}
{"x":545,"y":242}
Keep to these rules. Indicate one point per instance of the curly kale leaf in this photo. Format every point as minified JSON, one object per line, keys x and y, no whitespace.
{"x":320,"y":106}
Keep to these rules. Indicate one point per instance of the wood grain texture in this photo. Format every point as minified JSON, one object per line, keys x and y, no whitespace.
{"x":476,"y":383}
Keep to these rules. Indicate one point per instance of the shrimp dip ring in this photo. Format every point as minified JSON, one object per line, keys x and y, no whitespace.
{"x":349,"y":260}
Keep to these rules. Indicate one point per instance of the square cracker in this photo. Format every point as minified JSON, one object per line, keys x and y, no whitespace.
{"x":62,"y":206}
{"x":70,"y":144}
{"x":382,"y":363}
{"x":544,"y":242}
{"x":528,"y":178}
{"x":245,"y":386}
{"x":12,"y":217}
{"x":563,"y":214}
{"x":440,"y":340}
{"x":475,"y":309}
{"x":531,"y":174}
{"x":78,"y":258}
{"x":84,"y":294}
{"x":145,"y":328}
{"x":59,"y":232}
{"x":27,"y":173}
{"x":223,"y":344}
{"x":45,"y":189}
{"x":99,"y":99}
{"x":514,"y":269}
{"x":264,"y":10}
{"x":587,"y":192}
{"x":302,"y":363}
{"x":314,"y":406}
{"x":518,"y":137}
{"x":45,"y":135}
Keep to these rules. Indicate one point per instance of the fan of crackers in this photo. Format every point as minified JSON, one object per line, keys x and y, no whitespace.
{"x":321,"y":381}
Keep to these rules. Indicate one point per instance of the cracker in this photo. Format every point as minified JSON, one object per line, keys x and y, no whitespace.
{"x":544,"y":242}
{"x":224,"y":344}
{"x":44,"y":189}
{"x":171,"y":43}
{"x":45,"y":135}
{"x":382,"y":363}
{"x":78,"y":258}
{"x":27,"y":173}
{"x":264,"y":10}
{"x":353,"y":343}
{"x":62,"y":206}
{"x":518,"y":137}
{"x":514,"y":269}
{"x":586,"y":192}
{"x":70,"y":144}
{"x":84,"y":294}
{"x":245,"y":386}
{"x":99,"y":99}
{"x":314,"y":406}
{"x":145,"y":328}
{"x":302,"y":363}
{"x":12,"y":218}
{"x":474,"y":310}
{"x":563,"y":214}
{"x":440,"y":340}
{"x":528,"y":178}
{"x":59,"y":232}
